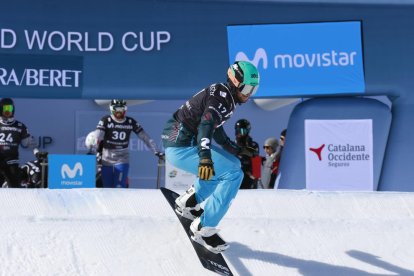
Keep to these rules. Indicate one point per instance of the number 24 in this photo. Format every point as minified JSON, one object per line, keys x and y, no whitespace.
{"x":3,"y":138}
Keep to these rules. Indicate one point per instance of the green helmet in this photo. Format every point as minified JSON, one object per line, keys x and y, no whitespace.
{"x":245,"y":76}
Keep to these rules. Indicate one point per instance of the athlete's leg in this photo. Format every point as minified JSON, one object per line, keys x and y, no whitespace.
{"x":120,"y":175}
{"x":12,"y":174}
{"x":221,"y":190}
{"x":186,"y":159}
{"x":107,"y":176}
{"x":229,"y":177}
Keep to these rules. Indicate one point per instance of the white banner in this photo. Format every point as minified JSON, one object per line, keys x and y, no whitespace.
{"x":339,"y":155}
{"x":177,"y":179}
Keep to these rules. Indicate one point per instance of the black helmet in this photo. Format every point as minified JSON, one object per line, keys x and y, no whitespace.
{"x":242,"y":127}
{"x":118,"y":103}
{"x":7,"y":108}
{"x":118,"y":108}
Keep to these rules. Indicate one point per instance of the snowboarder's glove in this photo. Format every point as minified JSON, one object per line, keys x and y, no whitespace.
{"x":40,"y":154}
{"x":248,"y":151}
{"x":205,"y":169}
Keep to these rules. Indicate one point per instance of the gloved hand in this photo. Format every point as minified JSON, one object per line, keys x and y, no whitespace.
{"x":91,"y":141}
{"x":248,"y":151}
{"x":160,"y":155}
{"x":40,"y":154}
{"x":205,"y":169}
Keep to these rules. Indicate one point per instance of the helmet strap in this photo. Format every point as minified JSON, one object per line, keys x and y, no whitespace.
{"x":232,"y":77}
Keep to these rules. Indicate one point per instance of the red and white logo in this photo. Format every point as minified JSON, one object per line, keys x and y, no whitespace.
{"x":318,"y":151}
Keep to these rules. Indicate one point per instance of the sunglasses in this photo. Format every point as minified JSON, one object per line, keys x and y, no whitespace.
{"x":267,"y":147}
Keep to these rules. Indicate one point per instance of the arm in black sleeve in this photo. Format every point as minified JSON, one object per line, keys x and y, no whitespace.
{"x":222,"y":139}
{"x":216,"y":110}
{"x":220,"y":136}
{"x":205,"y":134}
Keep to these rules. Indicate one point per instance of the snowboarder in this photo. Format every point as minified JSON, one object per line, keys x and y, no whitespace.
{"x":187,"y":139}
{"x":13,"y":133}
{"x":114,"y":131}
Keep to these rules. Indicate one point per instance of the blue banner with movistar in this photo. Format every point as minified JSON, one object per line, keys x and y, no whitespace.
{"x":302,"y":59}
{"x":66,"y":171}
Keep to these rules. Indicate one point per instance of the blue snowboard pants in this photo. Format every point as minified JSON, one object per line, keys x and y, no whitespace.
{"x":218,"y":192}
{"x":115,"y":176}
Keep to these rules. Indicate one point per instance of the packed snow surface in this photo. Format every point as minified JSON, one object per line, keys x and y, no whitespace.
{"x":270,"y":232}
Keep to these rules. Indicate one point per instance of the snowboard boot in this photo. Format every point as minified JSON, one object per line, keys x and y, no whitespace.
{"x":186,"y":205}
{"x":207,"y":237}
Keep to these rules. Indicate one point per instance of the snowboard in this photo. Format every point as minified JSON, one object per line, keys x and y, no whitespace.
{"x":209,"y":260}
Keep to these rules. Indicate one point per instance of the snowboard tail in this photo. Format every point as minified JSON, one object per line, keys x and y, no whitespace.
{"x":209,"y":260}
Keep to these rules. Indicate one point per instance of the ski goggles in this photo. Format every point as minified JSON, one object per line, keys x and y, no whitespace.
{"x":8,"y":108}
{"x":242,"y":131}
{"x":248,"y":90}
{"x":120,"y":109}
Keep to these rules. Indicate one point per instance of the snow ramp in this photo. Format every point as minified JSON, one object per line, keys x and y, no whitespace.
{"x":271,"y":232}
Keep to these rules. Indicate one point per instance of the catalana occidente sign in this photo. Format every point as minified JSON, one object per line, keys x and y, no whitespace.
{"x":339,"y":155}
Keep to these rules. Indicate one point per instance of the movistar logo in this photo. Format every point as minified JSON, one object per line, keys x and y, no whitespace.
{"x":301,"y":60}
{"x":260,"y":55}
{"x":66,"y":171}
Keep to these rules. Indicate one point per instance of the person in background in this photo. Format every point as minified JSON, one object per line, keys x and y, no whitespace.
{"x":270,"y":163}
{"x":13,"y":133}
{"x":282,"y":140}
{"x":114,"y":131}
{"x":187,"y":139}
{"x":244,"y":140}
{"x":279,"y":156}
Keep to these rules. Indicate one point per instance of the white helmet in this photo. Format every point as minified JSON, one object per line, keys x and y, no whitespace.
{"x":118,"y":109}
